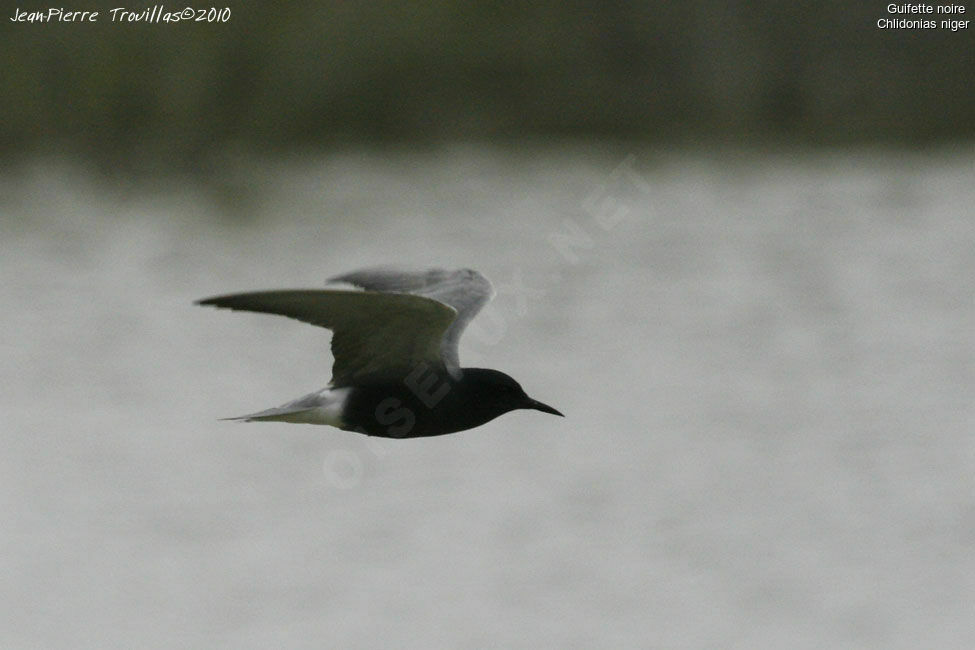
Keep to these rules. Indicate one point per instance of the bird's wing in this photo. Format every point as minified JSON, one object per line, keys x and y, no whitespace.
{"x":465,"y":290}
{"x":375,"y":335}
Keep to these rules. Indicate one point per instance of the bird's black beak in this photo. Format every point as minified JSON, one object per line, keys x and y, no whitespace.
{"x":538,"y":406}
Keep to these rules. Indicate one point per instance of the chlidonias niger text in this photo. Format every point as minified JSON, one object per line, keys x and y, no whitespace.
{"x":396,"y":372}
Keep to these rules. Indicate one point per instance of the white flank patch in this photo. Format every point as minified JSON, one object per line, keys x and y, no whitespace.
{"x":333,"y":403}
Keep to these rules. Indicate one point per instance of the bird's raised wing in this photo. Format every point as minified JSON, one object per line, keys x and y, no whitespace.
{"x":375,"y":335}
{"x":465,"y":290}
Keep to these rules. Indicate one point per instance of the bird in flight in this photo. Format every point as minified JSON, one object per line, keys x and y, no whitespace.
{"x":396,"y":371}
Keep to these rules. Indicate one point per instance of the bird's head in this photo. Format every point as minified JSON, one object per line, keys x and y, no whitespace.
{"x":503,"y":391}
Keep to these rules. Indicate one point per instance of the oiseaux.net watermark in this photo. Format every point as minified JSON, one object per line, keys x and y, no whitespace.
{"x":156,"y":14}
{"x":603,"y":209}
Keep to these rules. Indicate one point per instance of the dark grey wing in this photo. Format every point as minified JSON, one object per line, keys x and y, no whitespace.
{"x":375,"y":334}
{"x":465,"y":290}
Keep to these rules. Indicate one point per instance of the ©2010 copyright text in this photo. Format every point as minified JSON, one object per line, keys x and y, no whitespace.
{"x":154,"y":14}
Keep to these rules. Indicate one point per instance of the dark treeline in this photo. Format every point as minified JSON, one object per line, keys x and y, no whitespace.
{"x":315,"y":74}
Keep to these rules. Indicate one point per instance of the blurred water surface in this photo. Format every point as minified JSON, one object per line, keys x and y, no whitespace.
{"x":766,"y":361}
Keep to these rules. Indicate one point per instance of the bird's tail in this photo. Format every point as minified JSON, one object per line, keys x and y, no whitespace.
{"x":279,"y":414}
{"x":283,"y":414}
{"x":323,"y":407}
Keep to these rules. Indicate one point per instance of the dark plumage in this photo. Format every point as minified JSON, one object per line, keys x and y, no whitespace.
{"x":396,"y":372}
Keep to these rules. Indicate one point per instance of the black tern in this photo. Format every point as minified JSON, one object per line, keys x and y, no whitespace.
{"x":396,"y":371}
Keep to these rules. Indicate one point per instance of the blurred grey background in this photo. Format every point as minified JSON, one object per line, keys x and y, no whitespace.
{"x":733,"y":243}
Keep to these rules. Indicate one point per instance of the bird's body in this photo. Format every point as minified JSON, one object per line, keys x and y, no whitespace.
{"x":396,"y":372}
